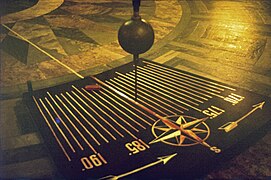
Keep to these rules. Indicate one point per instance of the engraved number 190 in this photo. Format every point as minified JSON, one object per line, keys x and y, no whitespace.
{"x":93,"y":161}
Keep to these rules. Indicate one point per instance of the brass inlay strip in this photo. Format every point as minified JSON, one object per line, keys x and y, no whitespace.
{"x":84,"y":127}
{"x":188,"y":132}
{"x":89,"y":113}
{"x":97,"y":115}
{"x":118,"y":109}
{"x":141,"y":93}
{"x":190,"y":76}
{"x":129,"y":105}
{"x":58,"y":128}
{"x":122,"y":90}
{"x":89,"y":145}
{"x":190,"y":82}
{"x":142,"y":119}
{"x":125,"y":86}
{"x":44,"y":52}
{"x":86,"y":120}
{"x":163,"y":119}
{"x":64,"y":124}
{"x":52,"y":130}
{"x":170,"y":88}
{"x":66,"y":118}
{"x":162,"y":87}
{"x":184,"y":86}
{"x":184,"y":103}
{"x":145,"y":144}
{"x":124,"y":78}
{"x":131,"y":134}
{"x":173,"y":78}
{"x":171,"y":84}
{"x":101,"y":111}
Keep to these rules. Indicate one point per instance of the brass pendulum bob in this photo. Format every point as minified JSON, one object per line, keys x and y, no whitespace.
{"x":136,"y":36}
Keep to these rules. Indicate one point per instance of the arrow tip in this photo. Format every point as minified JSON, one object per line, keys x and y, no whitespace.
{"x":165,"y":159}
{"x":259,"y":105}
{"x":110,"y":177}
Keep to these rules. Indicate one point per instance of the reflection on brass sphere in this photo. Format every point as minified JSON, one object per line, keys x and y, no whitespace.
{"x":136,"y":36}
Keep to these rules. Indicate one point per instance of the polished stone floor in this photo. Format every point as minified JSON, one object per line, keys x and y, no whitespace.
{"x":228,"y":41}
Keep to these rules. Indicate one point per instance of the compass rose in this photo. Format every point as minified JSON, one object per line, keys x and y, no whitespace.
{"x":182,"y":131}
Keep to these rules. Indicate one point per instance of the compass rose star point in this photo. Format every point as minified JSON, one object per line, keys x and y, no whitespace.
{"x":171,"y":131}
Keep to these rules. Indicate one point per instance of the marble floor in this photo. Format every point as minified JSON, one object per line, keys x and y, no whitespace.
{"x":228,"y":41}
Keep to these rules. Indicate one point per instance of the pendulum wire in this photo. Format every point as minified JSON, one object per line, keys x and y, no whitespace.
{"x":136,"y":58}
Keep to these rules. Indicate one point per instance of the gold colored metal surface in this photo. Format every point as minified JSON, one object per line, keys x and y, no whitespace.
{"x":126,"y":86}
{"x":173,"y":83}
{"x":76,"y":118}
{"x":58,"y":128}
{"x":166,"y":91}
{"x":147,"y":85}
{"x":187,"y":76}
{"x":186,"y":83}
{"x":125,"y":92}
{"x":152,"y":91}
{"x":170,"y":87}
{"x":168,"y":123}
{"x":129,"y":105}
{"x":229,"y":126}
{"x":163,"y":88}
{"x":163,"y":160}
{"x":86,"y":120}
{"x":91,"y":116}
{"x":148,"y":95}
{"x":79,"y":132}
{"x":127,"y":109}
{"x":199,"y":84}
{"x":100,"y":109}
{"x":61,"y":110}
{"x":98,"y":116}
{"x":64,"y":124}
{"x":44,"y":52}
{"x":52,"y":130}
{"x":174,"y":137}
{"x":119,"y":110}
{"x":113,"y":112}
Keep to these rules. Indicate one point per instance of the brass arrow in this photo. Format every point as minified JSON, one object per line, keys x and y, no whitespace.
{"x":231,"y":125}
{"x":163,"y":160}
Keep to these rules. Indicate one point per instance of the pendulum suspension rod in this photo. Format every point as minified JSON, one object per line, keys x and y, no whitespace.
{"x":136,"y":59}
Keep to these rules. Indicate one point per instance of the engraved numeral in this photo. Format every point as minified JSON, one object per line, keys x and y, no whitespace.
{"x":92,"y":161}
{"x":213,"y":112}
{"x":136,"y":147}
{"x":234,"y":98}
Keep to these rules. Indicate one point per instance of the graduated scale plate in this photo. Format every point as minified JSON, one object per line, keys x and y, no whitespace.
{"x":101,"y":134}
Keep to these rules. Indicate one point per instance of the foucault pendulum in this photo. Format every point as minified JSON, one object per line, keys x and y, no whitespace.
{"x":136,"y":36}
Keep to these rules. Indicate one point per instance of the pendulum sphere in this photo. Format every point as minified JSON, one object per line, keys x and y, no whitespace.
{"x":136,"y":36}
